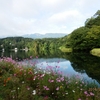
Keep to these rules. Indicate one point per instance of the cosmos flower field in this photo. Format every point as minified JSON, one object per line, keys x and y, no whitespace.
{"x":27,"y":82}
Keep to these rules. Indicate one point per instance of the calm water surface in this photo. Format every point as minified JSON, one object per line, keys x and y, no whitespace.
{"x":84,"y":65}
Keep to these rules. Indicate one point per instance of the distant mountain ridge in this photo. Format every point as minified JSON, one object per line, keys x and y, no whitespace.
{"x":47,"y":35}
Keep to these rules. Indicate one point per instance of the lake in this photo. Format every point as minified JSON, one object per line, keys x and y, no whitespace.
{"x":82,"y":64}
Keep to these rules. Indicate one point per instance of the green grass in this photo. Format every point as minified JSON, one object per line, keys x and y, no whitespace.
{"x":95,"y":52}
{"x":64,"y":49}
{"x":18,"y":82}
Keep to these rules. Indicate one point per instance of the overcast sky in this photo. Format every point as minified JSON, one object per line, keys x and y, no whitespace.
{"x":18,"y":17}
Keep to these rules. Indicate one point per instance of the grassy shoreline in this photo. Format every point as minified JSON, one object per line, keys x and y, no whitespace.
{"x":95,"y":52}
{"x":64,"y":49}
{"x":18,"y":82}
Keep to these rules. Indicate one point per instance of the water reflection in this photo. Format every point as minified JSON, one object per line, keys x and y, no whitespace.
{"x":74,"y":63}
{"x":85,"y":63}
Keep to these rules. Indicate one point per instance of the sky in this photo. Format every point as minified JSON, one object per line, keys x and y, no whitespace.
{"x":19,"y":17}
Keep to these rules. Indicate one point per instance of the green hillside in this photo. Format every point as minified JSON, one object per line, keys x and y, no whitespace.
{"x":87,"y":37}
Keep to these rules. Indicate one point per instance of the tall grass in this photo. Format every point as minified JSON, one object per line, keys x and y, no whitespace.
{"x":18,"y":82}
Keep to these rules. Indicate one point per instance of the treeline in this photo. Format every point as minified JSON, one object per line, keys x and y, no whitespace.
{"x":46,"y":43}
{"x":10,"y":43}
{"x":20,"y":43}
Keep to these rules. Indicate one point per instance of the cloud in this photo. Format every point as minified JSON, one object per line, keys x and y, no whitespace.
{"x":65,"y":17}
{"x":24,"y":8}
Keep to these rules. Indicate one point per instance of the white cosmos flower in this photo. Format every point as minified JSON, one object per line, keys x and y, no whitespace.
{"x":35,"y":73}
{"x":73,"y":91}
{"x":66,"y":92}
{"x":34,"y":92}
{"x":23,"y":82}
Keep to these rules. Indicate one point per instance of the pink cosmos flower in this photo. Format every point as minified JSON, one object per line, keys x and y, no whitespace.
{"x":36,"y":56}
{"x":92,"y":94}
{"x":57,"y":88}
{"x":30,"y":56}
{"x":62,"y":78}
{"x":28,"y":88}
{"x":46,"y":88}
{"x":58,"y":80}
{"x":14,"y":74}
{"x":85,"y":92}
{"x":51,"y":81}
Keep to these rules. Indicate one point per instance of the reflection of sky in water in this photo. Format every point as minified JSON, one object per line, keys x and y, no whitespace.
{"x":64,"y":66}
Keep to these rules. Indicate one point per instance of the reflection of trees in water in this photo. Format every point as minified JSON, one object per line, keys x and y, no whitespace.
{"x":15,"y":55}
{"x":51,"y":53}
{"x":41,"y":54}
{"x":85,"y":63}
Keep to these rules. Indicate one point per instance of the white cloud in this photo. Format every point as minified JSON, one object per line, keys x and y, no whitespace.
{"x":25,"y":8}
{"x":66,"y":16}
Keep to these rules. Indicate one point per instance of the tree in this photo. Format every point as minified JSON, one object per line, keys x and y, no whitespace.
{"x":97,"y":13}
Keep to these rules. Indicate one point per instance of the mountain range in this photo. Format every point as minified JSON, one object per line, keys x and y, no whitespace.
{"x":47,"y":35}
